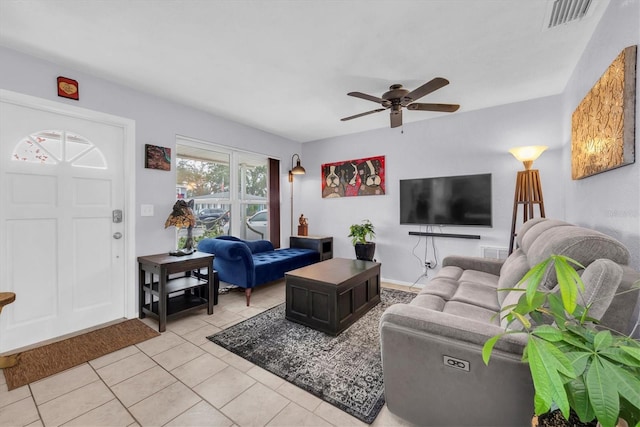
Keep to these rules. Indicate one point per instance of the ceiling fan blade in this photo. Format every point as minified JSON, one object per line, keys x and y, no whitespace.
{"x":396,"y":118}
{"x":425,"y":89}
{"x":367,"y":97}
{"x":362,"y":114}
{"x":446,"y":108}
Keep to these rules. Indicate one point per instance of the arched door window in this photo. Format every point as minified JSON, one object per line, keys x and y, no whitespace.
{"x":52,"y":147}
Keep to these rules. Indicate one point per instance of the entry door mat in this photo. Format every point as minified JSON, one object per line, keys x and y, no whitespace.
{"x":41,"y":362}
{"x":345,"y":371}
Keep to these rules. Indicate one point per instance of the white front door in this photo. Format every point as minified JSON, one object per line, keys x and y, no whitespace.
{"x":62,"y":245}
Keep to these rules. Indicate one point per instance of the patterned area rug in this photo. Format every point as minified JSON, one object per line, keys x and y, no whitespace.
{"x":345,"y":371}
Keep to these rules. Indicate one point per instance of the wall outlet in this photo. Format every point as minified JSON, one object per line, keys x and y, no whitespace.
{"x":429,"y":264}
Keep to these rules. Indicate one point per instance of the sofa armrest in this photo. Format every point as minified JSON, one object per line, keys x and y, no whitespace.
{"x":234,"y":261}
{"x":451,"y":327}
{"x":434,"y":374}
{"x":227,"y":249}
{"x":487,"y":265}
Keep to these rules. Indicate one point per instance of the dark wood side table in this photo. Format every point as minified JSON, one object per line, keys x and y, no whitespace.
{"x":321,"y":244}
{"x":157,"y":279}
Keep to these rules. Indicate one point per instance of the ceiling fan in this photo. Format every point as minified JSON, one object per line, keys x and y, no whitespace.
{"x":398,"y":97}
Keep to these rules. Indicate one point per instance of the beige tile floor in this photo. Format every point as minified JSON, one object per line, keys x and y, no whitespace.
{"x":177,"y":379}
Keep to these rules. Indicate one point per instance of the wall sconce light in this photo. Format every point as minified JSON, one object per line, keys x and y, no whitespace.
{"x":528,"y":187}
{"x":295,"y":170}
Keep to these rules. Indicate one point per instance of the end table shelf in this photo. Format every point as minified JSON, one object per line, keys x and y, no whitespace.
{"x":321,"y":244}
{"x":198,"y":290}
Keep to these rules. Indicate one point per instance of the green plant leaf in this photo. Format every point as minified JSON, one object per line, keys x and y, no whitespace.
{"x":545,"y":364}
{"x":556,"y":309}
{"x":633,"y":352}
{"x":487,"y":348}
{"x":360,"y":232}
{"x":526,"y":306}
{"x":627,"y":384}
{"x":579,"y":399}
{"x":603,"y":393}
{"x":558,"y":360}
{"x":602,"y":340}
{"x":628,"y":413}
{"x":575,"y":341}
{"x":586,"y":334}
{"x":541,"y":380}
{"x":540,"y":404}
{"x":567,"y":284}
{"x":620,"y":356}
{"x":534,"y":277}
{"x":548,"y":333}
{"x":579,"y":361}
{"x":523,"y":320}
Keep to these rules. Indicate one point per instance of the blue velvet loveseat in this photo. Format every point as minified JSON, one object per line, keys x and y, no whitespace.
{"x":249,"y":263}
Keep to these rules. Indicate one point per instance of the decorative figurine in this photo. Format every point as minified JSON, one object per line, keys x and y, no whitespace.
{"x":303,"y":226}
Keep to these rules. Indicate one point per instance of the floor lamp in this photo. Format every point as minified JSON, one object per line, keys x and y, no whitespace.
{"x":528,"y":188}
{"x":297,"y":170}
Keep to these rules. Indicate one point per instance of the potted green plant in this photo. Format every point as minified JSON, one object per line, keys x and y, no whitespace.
{"x":359,"y":234}
{"x":575,"y":366}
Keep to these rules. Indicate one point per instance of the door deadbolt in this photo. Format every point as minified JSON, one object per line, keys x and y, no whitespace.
{"x":117,"y":216}
{"x":117,"y":235}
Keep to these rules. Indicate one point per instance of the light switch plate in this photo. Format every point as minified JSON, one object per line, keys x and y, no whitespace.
{"x":146,"y":210}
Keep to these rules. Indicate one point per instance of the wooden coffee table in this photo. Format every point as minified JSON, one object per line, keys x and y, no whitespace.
{"x":330,"y":295}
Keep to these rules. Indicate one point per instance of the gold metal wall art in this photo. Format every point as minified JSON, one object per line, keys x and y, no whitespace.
{"x":603,"y":125}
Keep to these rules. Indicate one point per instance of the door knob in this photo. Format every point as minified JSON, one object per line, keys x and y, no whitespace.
{"x":117,"y":235}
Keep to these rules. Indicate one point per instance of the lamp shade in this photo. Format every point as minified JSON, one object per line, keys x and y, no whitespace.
{"x":181,"y":216}
{"x":297,"y":170}
{"x":528,"y":154}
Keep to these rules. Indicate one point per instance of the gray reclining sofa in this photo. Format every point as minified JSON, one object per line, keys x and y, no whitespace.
{"x":431,"y":348}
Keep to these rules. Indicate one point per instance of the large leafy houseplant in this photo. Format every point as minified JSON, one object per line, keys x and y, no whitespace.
{"x":574,"y":364}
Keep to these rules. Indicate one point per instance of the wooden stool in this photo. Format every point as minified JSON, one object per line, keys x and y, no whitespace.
{"x":7,"y":361}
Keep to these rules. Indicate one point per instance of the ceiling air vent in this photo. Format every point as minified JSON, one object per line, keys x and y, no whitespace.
{"x":562,"y":12}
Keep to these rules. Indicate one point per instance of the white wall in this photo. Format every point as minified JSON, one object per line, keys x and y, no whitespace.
{"x":158,"y":121}
{"x":610,"y":201}
{"x":460,"y":143}
{"x":457,"y":144}
{"x":477,"y":142}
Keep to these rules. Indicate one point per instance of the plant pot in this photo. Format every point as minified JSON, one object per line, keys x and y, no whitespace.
{"x":555,"y":419}
{"x":365,"y":251}
{"x":621,"y":423}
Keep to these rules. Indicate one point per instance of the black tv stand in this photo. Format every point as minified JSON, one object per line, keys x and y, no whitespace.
{"x":456,"y":236}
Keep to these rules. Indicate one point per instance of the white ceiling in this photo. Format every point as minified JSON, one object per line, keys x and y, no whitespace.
{"x":285,"y":66}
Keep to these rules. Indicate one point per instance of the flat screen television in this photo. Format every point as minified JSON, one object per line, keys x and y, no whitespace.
{"x":447,"y":200}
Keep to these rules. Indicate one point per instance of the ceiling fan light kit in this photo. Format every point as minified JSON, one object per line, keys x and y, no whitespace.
{"x":397,"y":97}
